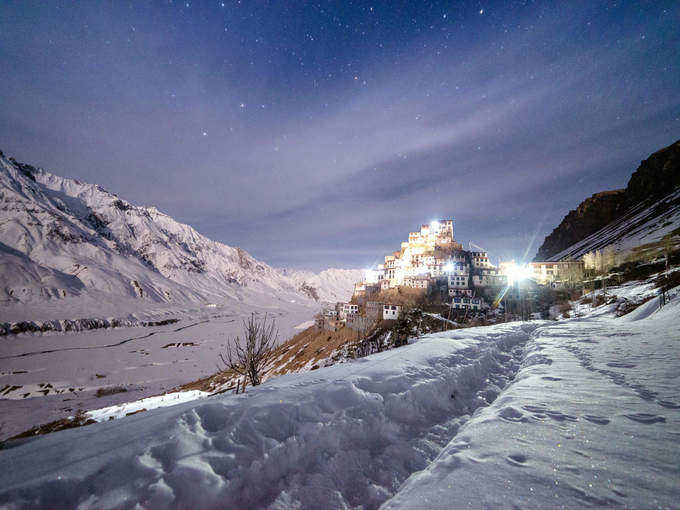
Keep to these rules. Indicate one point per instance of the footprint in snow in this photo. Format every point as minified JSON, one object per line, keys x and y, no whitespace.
{"x":668,"y":404}
{"x":645,"y":418}
{"x":516,"y":459}
{"x":618,"y":364}
{"x":600,"y":420}
{"x":540,"y":408}
{"x":560,"y":416}
{"x":511,"y":414}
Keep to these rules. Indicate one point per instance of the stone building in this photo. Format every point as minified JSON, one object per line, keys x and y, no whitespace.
{"x":391,"y":311}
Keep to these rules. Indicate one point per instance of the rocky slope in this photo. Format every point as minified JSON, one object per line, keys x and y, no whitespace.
{"x":590,"y":216}
{"x":654,"y":181}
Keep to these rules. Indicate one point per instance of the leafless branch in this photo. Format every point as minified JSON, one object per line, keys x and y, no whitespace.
{"x":248,"y":356}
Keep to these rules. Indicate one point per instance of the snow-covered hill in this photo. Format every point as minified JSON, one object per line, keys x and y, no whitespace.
{"x":67,"y":245}
{"x":572,"y":413}
{"x":646,"y":223}
{"x":327,"y":286}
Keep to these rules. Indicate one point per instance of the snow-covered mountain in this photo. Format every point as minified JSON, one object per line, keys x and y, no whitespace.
{"x":326,"y":286}
{"x":61,"y":239}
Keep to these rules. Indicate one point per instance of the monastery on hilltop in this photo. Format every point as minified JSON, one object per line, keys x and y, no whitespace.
{"x":431,"y":263}
{"x":429,"y":257}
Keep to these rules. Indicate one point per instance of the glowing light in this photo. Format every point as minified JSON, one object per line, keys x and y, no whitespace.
{"x":434,"y":225}
{"x":370,"y":276}
{"x":448,"y":267}
{"x":517,"y":273}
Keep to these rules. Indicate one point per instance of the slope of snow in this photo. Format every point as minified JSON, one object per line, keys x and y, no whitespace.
{"x":567,"y":414}
{"x":639,"y":226}
{"x":330,"y":285}
{"x":68,"y":248}
{"x":128,"y":408}
{"x":346,"y":435}
{"x":592,"y":421}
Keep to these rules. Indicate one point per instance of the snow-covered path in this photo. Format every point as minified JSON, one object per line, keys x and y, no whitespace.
{"x":536,"y":415}
{"x":593,"y":418}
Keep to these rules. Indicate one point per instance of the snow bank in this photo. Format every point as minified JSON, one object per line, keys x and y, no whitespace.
{"x":340,"y":437}
{"x":145,"y":404}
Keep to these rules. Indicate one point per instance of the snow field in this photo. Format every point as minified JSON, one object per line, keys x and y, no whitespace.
{"x":49,"y":376}
{"x":340,"y":437}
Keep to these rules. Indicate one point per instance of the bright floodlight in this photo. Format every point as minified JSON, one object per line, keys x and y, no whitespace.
{"x":434,"y":225}
{"x":517,"y":273}
{"x":448,"y":267}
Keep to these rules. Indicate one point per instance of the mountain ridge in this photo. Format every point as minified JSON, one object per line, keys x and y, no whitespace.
{"x":653,"y":182}
{"x":329,"y":285}
{"x":64,"y":239}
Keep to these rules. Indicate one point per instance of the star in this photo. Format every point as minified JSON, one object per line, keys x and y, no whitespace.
{"x":205,"y":133}
{"x":481,"y":11}
{"x":242,"y":105}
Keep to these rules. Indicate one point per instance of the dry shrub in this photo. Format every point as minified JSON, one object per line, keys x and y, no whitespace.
{"x":249,"y":355}
{"x":111,"y":390}
{"x":565,"y":308}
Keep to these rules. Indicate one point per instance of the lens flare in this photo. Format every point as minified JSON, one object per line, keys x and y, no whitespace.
{"x":517,"y":273}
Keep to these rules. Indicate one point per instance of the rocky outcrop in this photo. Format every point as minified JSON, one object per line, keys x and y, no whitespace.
{"x":589,"y":217}
{"x":655,"y":178}
{"x":60,"y":326}
{"x":309,"y":291}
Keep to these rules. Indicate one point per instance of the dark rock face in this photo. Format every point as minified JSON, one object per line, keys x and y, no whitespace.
{"x":309,"y":290}
{"x":656,"y":177}
{"x":27,"y":170}
{"x":589,"y":217}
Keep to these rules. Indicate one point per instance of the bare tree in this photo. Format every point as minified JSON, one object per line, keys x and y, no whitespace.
{"x":248,"y":356}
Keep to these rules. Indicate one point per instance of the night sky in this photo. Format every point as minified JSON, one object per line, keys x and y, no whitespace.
{"x":320,"y":134}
